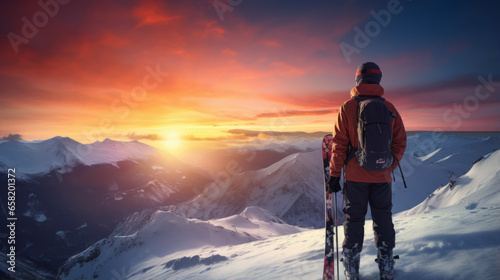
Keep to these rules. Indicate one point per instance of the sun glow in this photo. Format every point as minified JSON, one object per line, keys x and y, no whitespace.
{"x":172,"y":141}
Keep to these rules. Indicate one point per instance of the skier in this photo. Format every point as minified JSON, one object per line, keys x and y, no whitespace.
{"x":362,"y":186}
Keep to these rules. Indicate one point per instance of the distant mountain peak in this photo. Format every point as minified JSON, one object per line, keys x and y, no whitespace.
{"x":58,"y":139}
{"x":63,"y":153}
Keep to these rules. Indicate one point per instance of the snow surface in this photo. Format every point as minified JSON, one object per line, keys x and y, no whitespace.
{"x":167,"y":235}
{"x":62,"y":153}
{"x":290,"y":189}
{"x":475,"y":185}
{"x":429,"y":161}
{"x":452,"y":234}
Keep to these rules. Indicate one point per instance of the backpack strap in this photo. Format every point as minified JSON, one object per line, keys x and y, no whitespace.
{"x":400,"y":170}
{"x":351,"y":153}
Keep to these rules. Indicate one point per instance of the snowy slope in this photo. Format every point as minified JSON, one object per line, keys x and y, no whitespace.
{"x":429,"y":161}
{"x":454,"y":237}
{"x":70,"y":195}
{"x":291,"y":189}
{"x":165,"y":234}
{"x":471,"y":190}
{"x":63,"y":153}
{"x":451,"y":243}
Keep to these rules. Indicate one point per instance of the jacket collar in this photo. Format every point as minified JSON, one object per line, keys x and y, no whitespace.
{"x":367,"y":89}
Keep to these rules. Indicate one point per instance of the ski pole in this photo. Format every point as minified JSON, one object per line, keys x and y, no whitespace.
{"x":337,"y":236}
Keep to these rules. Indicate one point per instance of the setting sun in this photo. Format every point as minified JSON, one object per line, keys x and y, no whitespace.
{"x":172,"y":141}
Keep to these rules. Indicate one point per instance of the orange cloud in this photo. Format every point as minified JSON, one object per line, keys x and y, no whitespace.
{"x":295,"y":113}
{"x":272,"y":44}
{"x":152,"y":12}
{"x":152,"y":137}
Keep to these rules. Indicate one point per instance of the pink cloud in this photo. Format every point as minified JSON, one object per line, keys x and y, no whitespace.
{"x":152,"y":12}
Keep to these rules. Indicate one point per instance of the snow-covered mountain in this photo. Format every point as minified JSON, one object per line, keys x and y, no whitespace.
{"x":63,"y":153}
{"x":184,"y":223}
{"x":291,"y":189}
{"x":70,"y":195}
{"x":254,"y":155}
{"x":432,"y":159}
{"x":163,"y":234}
{"x":474,"y":188}
{"x":453,"y":234}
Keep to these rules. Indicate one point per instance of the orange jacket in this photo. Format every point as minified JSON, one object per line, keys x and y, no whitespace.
{"x":346,"y":130}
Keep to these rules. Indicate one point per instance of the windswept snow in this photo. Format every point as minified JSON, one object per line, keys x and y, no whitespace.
{"x":164,"y":236}
{"x":430,"y":159}
{"x":452,"y":243}
{"x":258,"y":223}
{"x":470,"y":190}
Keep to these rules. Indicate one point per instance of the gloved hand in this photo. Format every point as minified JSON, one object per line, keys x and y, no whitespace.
{"x":333,"y":184}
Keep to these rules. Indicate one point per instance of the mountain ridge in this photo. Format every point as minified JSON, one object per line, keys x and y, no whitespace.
{"x":435,"y":243}
{"x":276,"y":188}
{"x":63,"y":153}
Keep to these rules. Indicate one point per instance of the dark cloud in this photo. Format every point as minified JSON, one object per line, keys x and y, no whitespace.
{"x":12,"y":137}
{"x":438,"y":94}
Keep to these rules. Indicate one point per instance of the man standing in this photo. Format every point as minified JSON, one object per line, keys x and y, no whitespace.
{"x":366,"y":183}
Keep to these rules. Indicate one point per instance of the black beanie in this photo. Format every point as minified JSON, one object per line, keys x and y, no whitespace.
{"x":368,"y":73}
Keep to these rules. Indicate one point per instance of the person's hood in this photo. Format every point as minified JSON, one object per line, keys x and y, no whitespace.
{"x":367,"y":89}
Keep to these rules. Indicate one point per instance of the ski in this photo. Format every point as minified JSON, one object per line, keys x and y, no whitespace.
{"x":329,"y":266}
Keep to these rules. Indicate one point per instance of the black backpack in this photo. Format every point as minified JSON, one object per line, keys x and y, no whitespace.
{"x":374,"y":134}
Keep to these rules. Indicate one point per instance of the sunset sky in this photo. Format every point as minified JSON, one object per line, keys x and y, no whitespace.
{"x":179,"y":73}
